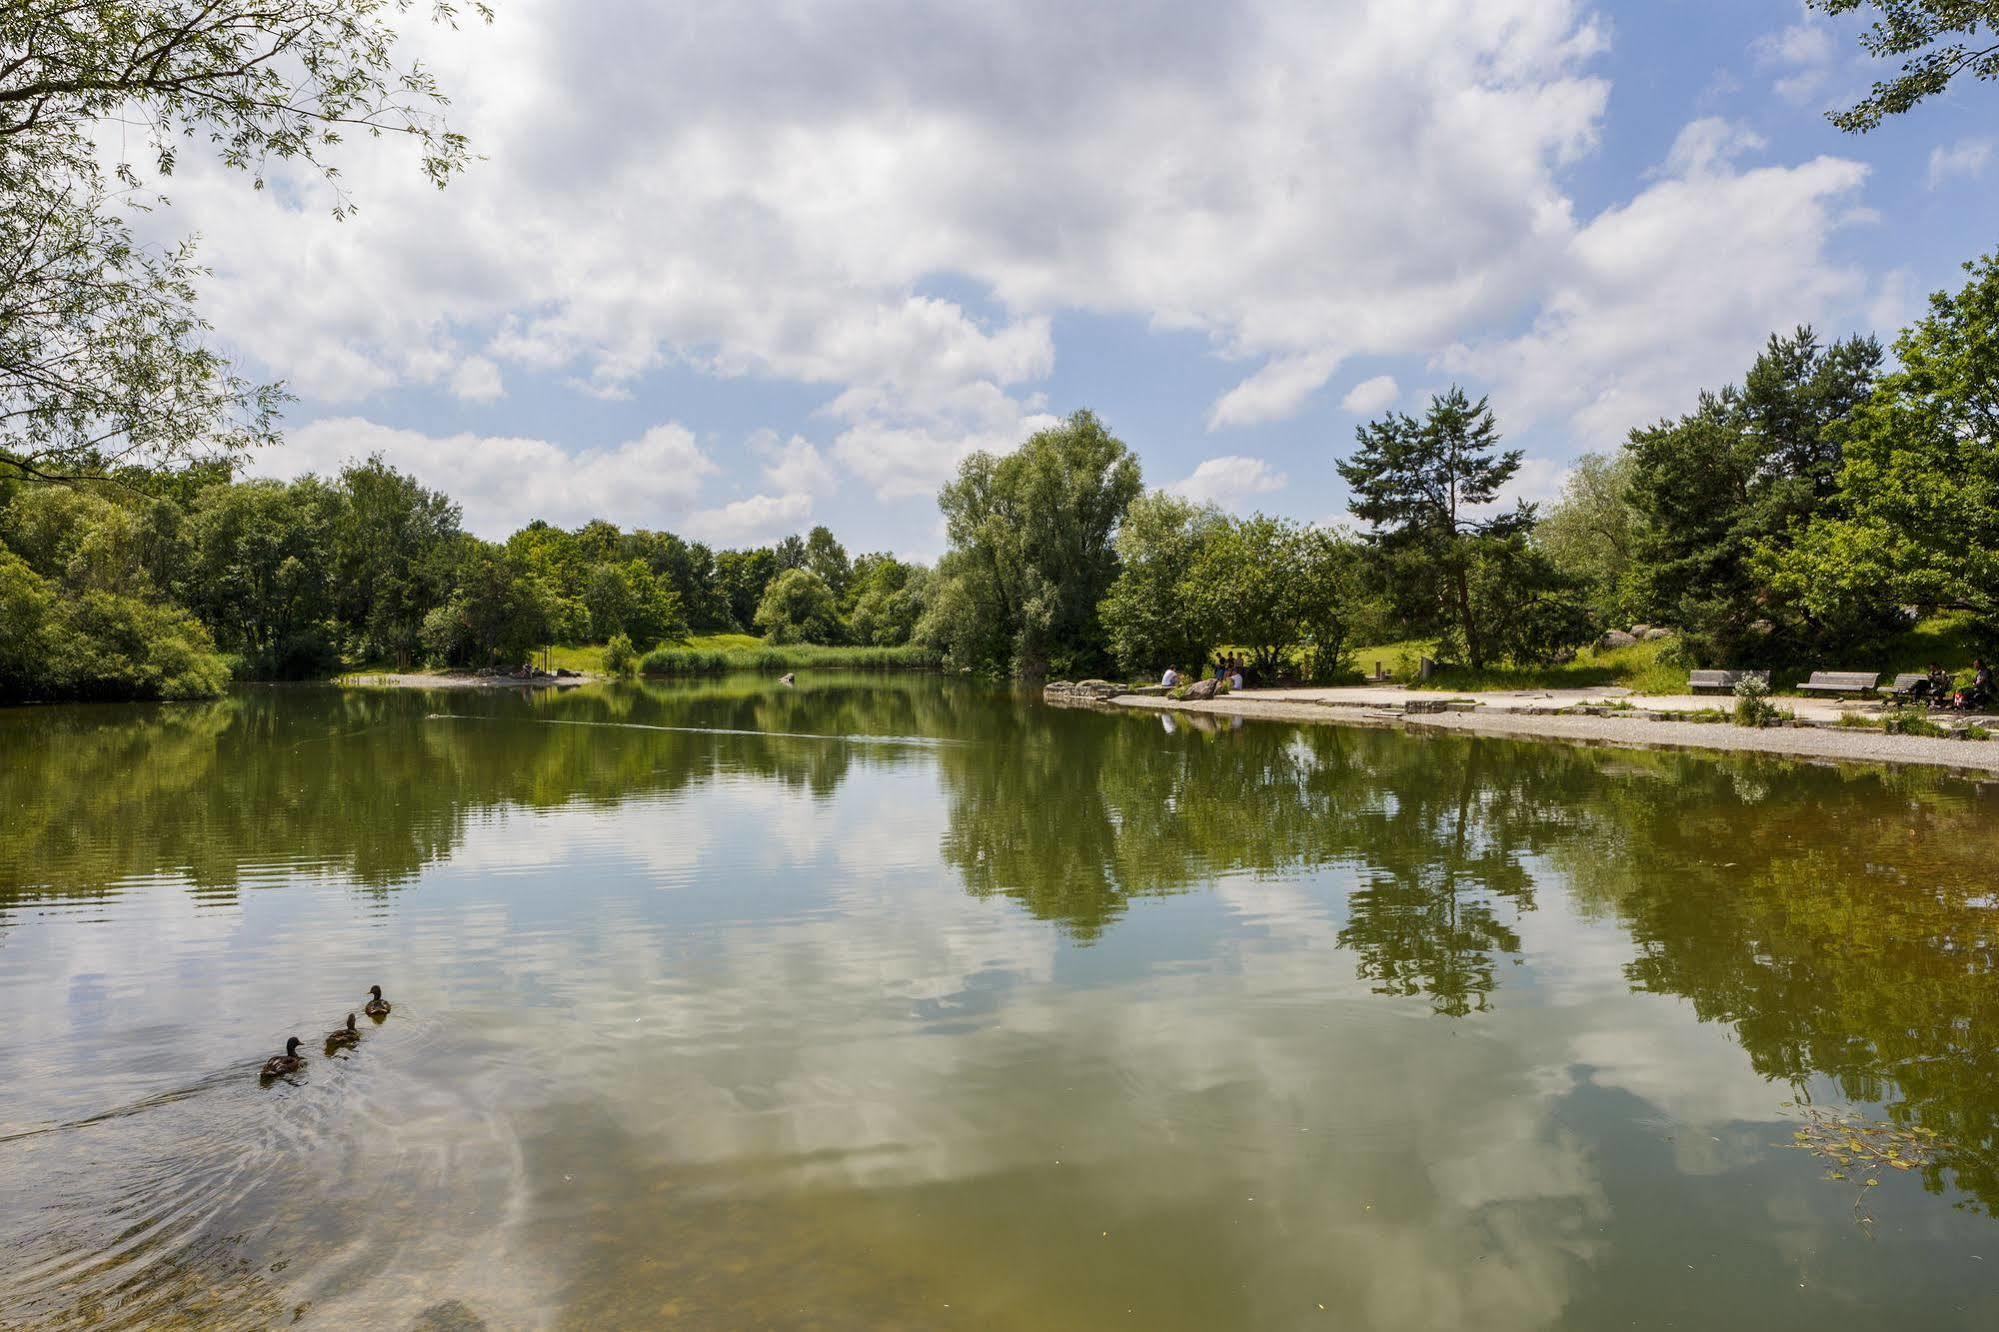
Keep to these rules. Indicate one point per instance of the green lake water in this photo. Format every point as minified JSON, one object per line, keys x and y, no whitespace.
{"x":901,"y":1002}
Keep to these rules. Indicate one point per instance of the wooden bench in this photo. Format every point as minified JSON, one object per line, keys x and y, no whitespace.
{"x":1841,"y":682}
{"x":1724,"y":681}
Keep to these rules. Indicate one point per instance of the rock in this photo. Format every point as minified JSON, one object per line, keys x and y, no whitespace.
{"x":1640,"y":630}
{"x":1654,"y":635}
{"x":564,"y":673}
{"x":1202,"y":690}
{"x":1616,"y":638}
{"x":787,"y":678}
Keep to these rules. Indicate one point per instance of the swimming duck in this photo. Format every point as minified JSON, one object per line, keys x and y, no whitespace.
{"x":376,"y":1007}
{"x":286,"y":1064}
{"x":341,"y":1037}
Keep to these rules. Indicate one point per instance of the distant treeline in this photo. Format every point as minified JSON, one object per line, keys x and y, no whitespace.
{"x":167,"y":584}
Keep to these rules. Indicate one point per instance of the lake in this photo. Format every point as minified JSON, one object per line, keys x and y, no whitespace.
{"x":906,"y":1002}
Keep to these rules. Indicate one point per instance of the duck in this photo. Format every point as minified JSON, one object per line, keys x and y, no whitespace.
{"x":341,"y":1037}
{"x":376,"y":1007}
{"x":286,"y":1064}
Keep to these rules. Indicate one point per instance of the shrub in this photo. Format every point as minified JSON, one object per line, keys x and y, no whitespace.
{"x":1910,"y":721}
{"x":1752,"y":703}
{"x":620,"y":657}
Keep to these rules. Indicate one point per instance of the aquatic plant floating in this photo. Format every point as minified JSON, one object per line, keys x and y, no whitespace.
{"x":1859,"y":1149}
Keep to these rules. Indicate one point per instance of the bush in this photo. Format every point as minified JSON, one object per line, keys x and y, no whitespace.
{"x":620,"y":657}
{"x":1752,"y":703}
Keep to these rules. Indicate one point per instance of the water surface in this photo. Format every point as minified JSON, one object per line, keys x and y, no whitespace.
{"x":901,"y":1002}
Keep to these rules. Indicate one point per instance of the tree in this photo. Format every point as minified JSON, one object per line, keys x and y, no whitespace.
{"x":392,"y":544}
{"x":828,"y":558}
{"x":1917,"y":511}
{"x":1420,"y":486}
{"x":888,"y":598}
{"x":1937,"y":40}
{"x":741,"y":577}
{"x":1591,"y":532}
{"x":260,"y":573}
{"x":499,"y":611}
{"x":798,"y":607}
{"x":632,"y":600}
{"x":1149,"y":618}
{"x":1727,"y":488}
{"x":101,"y":355}
{"x":1275,"y":587}
{"x":1032,"y":553}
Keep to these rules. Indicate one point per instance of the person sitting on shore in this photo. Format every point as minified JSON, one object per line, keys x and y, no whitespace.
{"x":1235,"y":673}
{"x":1171,"y":679}
{"x":1935,"y":686}
{"x":1978,"y":695}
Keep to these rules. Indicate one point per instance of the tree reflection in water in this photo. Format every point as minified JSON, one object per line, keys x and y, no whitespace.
{"x":1842,"y":925}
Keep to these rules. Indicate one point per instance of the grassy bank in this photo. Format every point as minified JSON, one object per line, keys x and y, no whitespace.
{"x":1951,"y":640}
{"x":699,"y":657}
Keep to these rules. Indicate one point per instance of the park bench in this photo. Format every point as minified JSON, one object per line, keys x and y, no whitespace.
{"x":1840,"y":682}
{"x":1905,"y":685}
{"x":1723,"y":681}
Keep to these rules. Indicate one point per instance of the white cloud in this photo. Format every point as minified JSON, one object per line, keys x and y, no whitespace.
{"x":477,"y":380}
{"x":1275,"y":392}
{"x":503,"y":482}
{"x":1675,"y":290}
{"x":1967,"y":158}
{"x":1230,"y":481}
{"x":755,"y":521}
{"x":807,"y":171}
{"x":894,"y":203}
{"x":795,"y":466}
{"x":1804,"y":55}
{"x":1372,"y":395}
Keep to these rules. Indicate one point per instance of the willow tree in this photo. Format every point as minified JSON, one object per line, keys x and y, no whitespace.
{"x":103,"y":357}
{"x":1032,"y":551}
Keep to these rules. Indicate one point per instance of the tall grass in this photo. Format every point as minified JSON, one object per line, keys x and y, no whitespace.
{"x":681,"y":660}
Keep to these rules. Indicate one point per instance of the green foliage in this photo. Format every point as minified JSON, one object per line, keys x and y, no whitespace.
{"x":1725,"y":491}
{"x":392,"y":545}
{"x":1148,"y":617}
{"x":1936,"y":41}
{"x":740,"y":579}
{"x":1422,"y":487}
{"x":98,"y":644}
{"x":103,"y":361}
{"x":887,"y":599}
{"x":1278,"y":589}
{"x":620,"y":658}
{"x":1752,"y":703}
{"x":798,"y":607}
{"x":260,"y":576}
{"x":499,"y":612}
{"x":1591,"y":534}
{"x":630,"y":600}
{"x":1918,"y":503}
{"x":1032,"y":552}
{"x":772,"y":660}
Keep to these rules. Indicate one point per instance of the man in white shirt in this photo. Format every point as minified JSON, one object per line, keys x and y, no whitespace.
{"x":1171,"y":678}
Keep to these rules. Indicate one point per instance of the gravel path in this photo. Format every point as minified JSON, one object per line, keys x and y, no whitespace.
{"x":1843,"y":746}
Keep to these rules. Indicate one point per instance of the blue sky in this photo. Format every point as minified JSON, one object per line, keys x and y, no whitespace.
{"x":736,"y":272}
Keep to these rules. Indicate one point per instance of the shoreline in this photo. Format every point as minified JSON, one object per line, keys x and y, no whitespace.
{"x":455,"y":680}
{"x":1971,"y":758}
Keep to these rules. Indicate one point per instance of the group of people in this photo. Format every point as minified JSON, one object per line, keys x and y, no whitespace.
{"x":1229,"y":668}
{"x":1941,"y":691}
